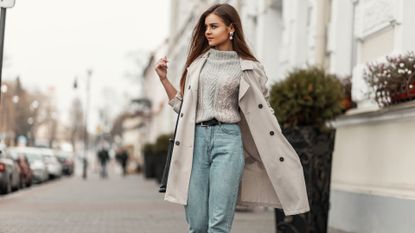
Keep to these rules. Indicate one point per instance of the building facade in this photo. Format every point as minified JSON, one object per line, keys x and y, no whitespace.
{"x":373,"y":188}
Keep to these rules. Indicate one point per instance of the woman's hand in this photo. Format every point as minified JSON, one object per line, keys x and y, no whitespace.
{"x":161,"y":68}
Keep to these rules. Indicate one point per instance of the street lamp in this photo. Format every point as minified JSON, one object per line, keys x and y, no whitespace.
{"x":7,"y":3}
{"x":3,"y":5}
{"x":86,"y":141}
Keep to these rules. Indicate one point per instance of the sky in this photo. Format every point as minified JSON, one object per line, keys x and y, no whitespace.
{"x":50,"y":42}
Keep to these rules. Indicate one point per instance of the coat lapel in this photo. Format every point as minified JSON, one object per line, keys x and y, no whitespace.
{"x":244,"y":85}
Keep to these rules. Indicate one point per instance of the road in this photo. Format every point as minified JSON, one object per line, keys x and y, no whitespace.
{"x":114,"y":205}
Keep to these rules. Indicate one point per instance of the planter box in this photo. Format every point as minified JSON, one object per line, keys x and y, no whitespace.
{"x":154,"y":165}
{"x":149,"y":165}
{"x":315,"y":150}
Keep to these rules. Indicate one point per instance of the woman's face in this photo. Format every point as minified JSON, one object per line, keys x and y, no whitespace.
{"x":217,"y":33}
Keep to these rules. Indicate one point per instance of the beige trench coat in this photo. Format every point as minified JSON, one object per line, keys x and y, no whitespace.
{"x":272,"y":176}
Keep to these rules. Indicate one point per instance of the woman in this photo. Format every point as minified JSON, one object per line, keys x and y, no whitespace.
{"x":229,"y":148}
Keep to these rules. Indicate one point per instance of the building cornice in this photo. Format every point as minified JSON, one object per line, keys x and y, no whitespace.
{"x":403,"y":111}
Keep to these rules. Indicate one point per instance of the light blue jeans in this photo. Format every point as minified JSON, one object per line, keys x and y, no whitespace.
{"x":218,"y":163}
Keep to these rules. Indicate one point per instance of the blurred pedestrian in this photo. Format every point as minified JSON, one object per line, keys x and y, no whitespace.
{"x":229,"y":147}
{"x":103,"y":157}
{"x":122,"y":158}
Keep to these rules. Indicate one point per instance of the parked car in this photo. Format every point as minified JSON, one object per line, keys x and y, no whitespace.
{"x":23,"y":162}
{"x":66,"y":159}
{"x":10,"y":178}
{"x":53,"y":166}
{"x":37,"y":163}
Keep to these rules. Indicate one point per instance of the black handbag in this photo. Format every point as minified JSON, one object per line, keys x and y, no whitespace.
{"x":164,"y":178}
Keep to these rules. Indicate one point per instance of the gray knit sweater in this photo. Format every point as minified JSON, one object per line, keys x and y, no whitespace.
{"x":218,"y":88}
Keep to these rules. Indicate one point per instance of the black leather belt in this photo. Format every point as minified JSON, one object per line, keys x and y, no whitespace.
{"x":210,"y":122}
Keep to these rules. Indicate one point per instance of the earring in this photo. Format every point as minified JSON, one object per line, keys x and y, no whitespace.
{"x":230,"y":35}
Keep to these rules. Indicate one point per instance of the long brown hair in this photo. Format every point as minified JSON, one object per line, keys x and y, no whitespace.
{"x":200,"y":45}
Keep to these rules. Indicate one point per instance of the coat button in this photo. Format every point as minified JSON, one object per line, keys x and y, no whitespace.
{"x":281,"y":159}
{"x":259,"y":105}
{"x":189,"y":87}
{"x":271,"y":132}
{"x":181,"y":114}
{"x":177,"y":143}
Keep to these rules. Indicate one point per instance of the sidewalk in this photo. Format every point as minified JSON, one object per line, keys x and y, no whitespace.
{"x":114,"y":205}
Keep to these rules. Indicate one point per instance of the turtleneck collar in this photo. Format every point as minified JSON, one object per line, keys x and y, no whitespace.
{"x":222,"y":55}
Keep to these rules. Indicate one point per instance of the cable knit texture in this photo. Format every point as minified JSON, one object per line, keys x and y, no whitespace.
{"x":218,"y":87}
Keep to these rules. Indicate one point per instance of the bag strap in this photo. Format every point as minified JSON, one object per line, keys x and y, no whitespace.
{"x":177,"y":120}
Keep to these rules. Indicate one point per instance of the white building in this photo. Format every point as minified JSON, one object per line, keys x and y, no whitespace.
{"x":373,"y":183}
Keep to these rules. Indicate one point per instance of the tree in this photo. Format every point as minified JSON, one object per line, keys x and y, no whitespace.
{"x":24,"y":117}
{"x":117,"y":128}
{"x":76,"y":121}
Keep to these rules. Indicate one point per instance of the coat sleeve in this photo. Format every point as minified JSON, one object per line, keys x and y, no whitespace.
{"x":176,"y":102}
{"x":259,"y":69}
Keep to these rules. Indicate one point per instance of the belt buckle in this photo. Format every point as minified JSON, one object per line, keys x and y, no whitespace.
{"x":203,"y":125}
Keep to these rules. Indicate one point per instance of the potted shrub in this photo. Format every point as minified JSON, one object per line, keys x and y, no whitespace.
{"x":304,"y":102}
{"x":392,"y":81}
